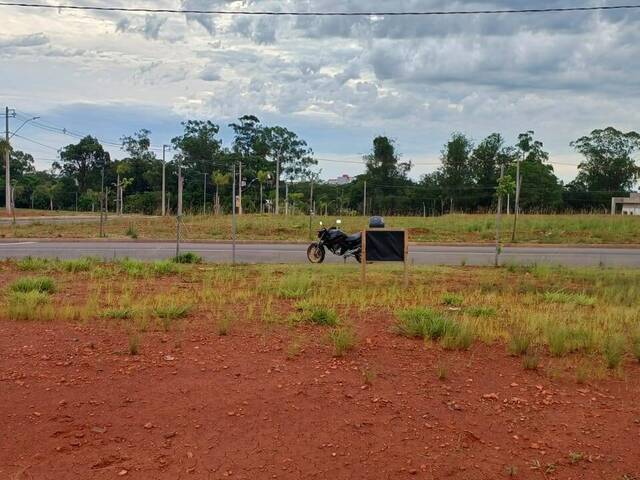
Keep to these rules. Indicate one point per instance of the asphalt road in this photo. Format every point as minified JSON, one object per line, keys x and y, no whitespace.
{"x":296,"y":253}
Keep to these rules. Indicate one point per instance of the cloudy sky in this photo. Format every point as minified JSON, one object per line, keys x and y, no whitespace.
{"x":337,"y":81}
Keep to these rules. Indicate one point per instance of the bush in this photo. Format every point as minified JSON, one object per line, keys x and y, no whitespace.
{"x":422,"y":323}
{"x":614,"y":350}
{"x":187,"y":257}
{"x":343,"y":340}
{"x":458,"y":337}
{"x":323,"y":316}
{"x":31,"y":264}
{"x":34,"y":284}
{"x":519,"y":343}
{"x":452,"y":299}
{"x":294,"y":286}
{"x":26,"y":305}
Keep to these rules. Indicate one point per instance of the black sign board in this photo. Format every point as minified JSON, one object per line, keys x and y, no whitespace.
{"x":385,"y":245}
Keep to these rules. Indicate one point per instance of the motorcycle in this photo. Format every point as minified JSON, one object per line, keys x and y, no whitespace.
{"x":337,"y":242}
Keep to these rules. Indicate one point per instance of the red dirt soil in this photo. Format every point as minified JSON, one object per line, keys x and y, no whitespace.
{"x":74,"y":405}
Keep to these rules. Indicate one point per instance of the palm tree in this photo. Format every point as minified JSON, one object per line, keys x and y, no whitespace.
{"x":263,"y":177}
{"x":220,"y":179}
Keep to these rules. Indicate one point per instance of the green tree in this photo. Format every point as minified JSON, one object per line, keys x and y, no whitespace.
{"x":455,"y":176}
{"x":220,"y":180}
{"x":484,"y":166}
{"x":609,"y":165}
{"x":291,"y":155}
{"x":83,"y":161}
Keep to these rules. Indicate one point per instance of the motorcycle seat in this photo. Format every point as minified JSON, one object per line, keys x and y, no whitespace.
{"x":356,"y":237}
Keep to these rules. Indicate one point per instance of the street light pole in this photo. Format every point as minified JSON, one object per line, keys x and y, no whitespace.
{"x":164,"y":180}
{"x":7,"y":163}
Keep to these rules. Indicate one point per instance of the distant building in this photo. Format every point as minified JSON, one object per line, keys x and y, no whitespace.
{"x":341,"y":180}
{"x":630,"y":205}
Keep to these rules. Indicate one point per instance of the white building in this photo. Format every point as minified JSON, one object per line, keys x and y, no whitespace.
{"x":630,"y":205}
{"x":341,"y":180}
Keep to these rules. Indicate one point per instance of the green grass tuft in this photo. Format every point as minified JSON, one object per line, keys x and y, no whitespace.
{"x":452,"y":299}
{"x":32,"y":264}
{"x":323,"y":316}
{"x":25,"y":306}
{"x":571,"y":298}
{"x":123,"y":313}
{"x":458,"y":337}
{"x":482,"y":312}
{"x":34,"y":284}
{"x":294,"y":286}
{"x":613,"y":350}
{"x":343,"y":339}
{"x":519,"y":343}
{"x":187,"y":257}
{"x":422,"y":323}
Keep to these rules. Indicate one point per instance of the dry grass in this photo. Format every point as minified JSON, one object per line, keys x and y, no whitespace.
{"x":555,"y":229}
{"x":596,"y":317}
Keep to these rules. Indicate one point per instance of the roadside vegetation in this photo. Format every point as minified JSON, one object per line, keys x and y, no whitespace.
{"x":480,"y":228}
{"x":583,"y":319}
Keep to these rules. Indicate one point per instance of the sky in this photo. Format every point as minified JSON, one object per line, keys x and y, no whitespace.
{"x":336,"y":81}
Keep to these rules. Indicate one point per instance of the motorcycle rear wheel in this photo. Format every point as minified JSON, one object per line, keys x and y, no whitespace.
{"x":316,"y":253}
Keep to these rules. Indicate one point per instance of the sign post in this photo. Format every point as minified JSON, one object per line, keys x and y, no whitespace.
{"x":385,"y":245}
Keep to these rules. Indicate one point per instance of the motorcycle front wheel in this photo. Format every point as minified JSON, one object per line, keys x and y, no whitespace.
{"x":316,"y":253}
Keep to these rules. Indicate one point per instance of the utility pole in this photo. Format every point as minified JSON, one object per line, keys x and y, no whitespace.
{"x":240,"y":189}
{"x":102,"y":202}
{"x":311,"y":206}
{"x":498,"y":214}
{"x":233,"y":219}
{"x":179,"y":212}
{"x":164,"y":180}
{"x":204,"y":196}
{"x":517,"y":205}
{"x":7,"y":161}
{"x":286,"y":198}
{"x":277,"y":184}
{"x":364,"y":203}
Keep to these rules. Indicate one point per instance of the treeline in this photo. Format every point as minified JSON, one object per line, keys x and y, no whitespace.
{"x":279,"y":172}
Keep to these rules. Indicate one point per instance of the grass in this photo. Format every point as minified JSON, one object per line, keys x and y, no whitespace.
{"x":423,"y":323}
{"x":614,"y":350}
{"x":123,"y":313}
{"x":187,"y":258}
{"x":34,"y":284}
{"x":565,"y":297}
{"x":134,"y":344}
{"x":502,"y":306}
{"x":27,"y":306}
{"x":519,"y":343}
{"x":295,"y":286}
{"x":343,"y":340}
{"x":452,"y":299}
{"x":553,"y":229}
{"x":323,"y":316}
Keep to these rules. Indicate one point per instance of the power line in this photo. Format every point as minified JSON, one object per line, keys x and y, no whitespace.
{"x":318,"y":14}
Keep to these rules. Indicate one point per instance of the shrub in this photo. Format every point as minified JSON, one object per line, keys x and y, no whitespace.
{"x":563,"y":340}
{"x":295,"y":286}
{"x":187,"y":257}
{"x":613,"y":350}
{"x":422,"y":323}
{"x":134,"y":268}
{"x":78,"y":265}
{"x":323,"y":316}
{"x":34,"y":284}
{"x":530,"y":361}
{"x":164,"y":267}
{"x":482,"y":311}
{"x":31,"y":264}
{"x":172,"y":311}
{"x":564,"y":297}
{"x":519,"y":343}
{"x":131,"y":232}
{"x":458,"y":337}
{"x":635,"y":346}
{"x":343,"y":340}
{"x":26,"y":305}
{"x":452,"y":299}
{"x":118,"y":313}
